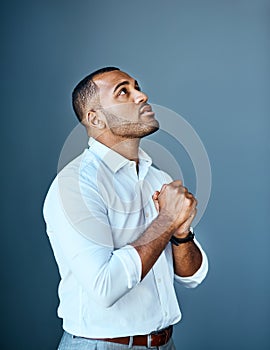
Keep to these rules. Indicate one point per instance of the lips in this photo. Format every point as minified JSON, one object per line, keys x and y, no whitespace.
{"x":146,"y":109}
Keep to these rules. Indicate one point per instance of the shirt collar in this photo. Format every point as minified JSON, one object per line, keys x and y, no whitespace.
{"x":114,"y":160}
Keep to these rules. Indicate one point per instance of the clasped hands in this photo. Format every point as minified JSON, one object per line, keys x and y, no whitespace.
{"x":175,"y":202}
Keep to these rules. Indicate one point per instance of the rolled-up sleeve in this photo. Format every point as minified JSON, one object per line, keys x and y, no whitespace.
{"x":131,"y":261}
{"x":196,"y":279}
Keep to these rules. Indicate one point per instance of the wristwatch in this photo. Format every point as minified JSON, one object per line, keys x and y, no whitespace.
{"x":176,"y":241}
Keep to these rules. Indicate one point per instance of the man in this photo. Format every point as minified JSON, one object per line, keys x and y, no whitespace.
{"x":120,"y":229}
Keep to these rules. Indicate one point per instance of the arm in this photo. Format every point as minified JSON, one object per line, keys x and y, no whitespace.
{"x":187,"y":257}
{"x":177,"y":207}
{"x":84,"y":248}
{"x":82,"y":241}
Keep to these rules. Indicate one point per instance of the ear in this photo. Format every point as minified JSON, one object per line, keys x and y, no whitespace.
{"x":94,"y":120}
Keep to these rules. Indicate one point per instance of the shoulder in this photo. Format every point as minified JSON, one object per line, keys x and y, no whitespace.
{"x":163,"y":176}
{"x":78,"y":173}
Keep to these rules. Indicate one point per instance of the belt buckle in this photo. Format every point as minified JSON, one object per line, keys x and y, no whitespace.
{"x":166,"y":334}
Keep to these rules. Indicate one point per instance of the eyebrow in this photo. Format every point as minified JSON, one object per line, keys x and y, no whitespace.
{"x":125,"y":82}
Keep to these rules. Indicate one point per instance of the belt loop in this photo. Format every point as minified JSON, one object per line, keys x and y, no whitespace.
{"x":149,"y":340}
{"x":130,"y":342}
{"x":167,"y":335}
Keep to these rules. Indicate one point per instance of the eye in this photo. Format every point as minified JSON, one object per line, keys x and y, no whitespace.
{"x":137,"y":88}
{"x":123,"y":91}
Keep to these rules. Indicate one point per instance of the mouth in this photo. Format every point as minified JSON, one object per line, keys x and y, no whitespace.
{"x":146,"y":109}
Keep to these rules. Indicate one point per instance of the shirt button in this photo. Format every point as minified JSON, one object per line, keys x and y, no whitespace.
{"x":159,"y":280}
{"x":166,"y":313}
{"x":147,"y":214}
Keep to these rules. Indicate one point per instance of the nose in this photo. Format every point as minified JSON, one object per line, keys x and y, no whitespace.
{"x":140,"y":97}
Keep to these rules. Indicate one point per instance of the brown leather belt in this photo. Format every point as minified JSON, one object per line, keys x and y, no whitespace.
{"x":153,"y":339}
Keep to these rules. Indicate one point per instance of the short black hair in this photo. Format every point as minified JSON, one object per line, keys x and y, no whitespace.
{"x":86,"y":90}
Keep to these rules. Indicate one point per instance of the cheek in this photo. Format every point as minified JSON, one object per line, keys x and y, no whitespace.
{"x":125,"y":110}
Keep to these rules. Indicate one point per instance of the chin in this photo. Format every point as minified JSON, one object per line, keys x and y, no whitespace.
{"x":149,"y":129}
{"x":135,"y":130}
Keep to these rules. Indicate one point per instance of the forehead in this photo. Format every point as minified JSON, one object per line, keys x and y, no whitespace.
{"x":107,"y":81}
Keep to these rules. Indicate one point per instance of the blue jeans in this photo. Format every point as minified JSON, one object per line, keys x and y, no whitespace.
{"x":68,"y":342}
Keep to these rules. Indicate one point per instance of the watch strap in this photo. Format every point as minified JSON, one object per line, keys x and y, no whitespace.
{"x":176,"y":241}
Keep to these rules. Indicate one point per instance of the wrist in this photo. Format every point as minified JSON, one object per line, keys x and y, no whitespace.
{"x":167,"y":222}
{"x":176,"y":240}
{"x":183,"y":231}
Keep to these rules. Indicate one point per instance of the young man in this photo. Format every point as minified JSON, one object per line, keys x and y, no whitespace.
{"x":120,"y":229}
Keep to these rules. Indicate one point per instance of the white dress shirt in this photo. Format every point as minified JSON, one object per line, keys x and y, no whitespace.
{"x":96,"y":206}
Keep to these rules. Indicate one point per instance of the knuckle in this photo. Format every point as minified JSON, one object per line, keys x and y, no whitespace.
{"x":164,"y":186}
{"x":188,"y":201}
{"x":178,"y":182}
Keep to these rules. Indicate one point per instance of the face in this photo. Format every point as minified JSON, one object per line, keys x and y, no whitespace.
{"x":124,"y":106}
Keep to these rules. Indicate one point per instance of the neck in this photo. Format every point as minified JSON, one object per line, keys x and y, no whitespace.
{"x":127,"y":147}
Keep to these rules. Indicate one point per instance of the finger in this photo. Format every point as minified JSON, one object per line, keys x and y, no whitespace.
{"x":155,"y":195}
{"x":189,"y":195}
{"x":193,"y":200}
{"x":163,"y":188}
{"x":192,"y":208}
{"x":188,"y":222}
{"x":157,"y":207}
{"x":155,"y":200}
{"x":193,"y":214}
{"x":177,"y":183}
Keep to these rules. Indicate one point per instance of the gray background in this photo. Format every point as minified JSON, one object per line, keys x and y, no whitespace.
{"x":206,"y":60}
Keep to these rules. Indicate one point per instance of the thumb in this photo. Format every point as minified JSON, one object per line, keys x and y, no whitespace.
{"x":155,"y":199}
{"x":155,"y":195}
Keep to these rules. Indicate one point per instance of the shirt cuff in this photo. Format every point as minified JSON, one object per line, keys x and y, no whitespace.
{"x":131,"y":261}
{"x":196,"y":279}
